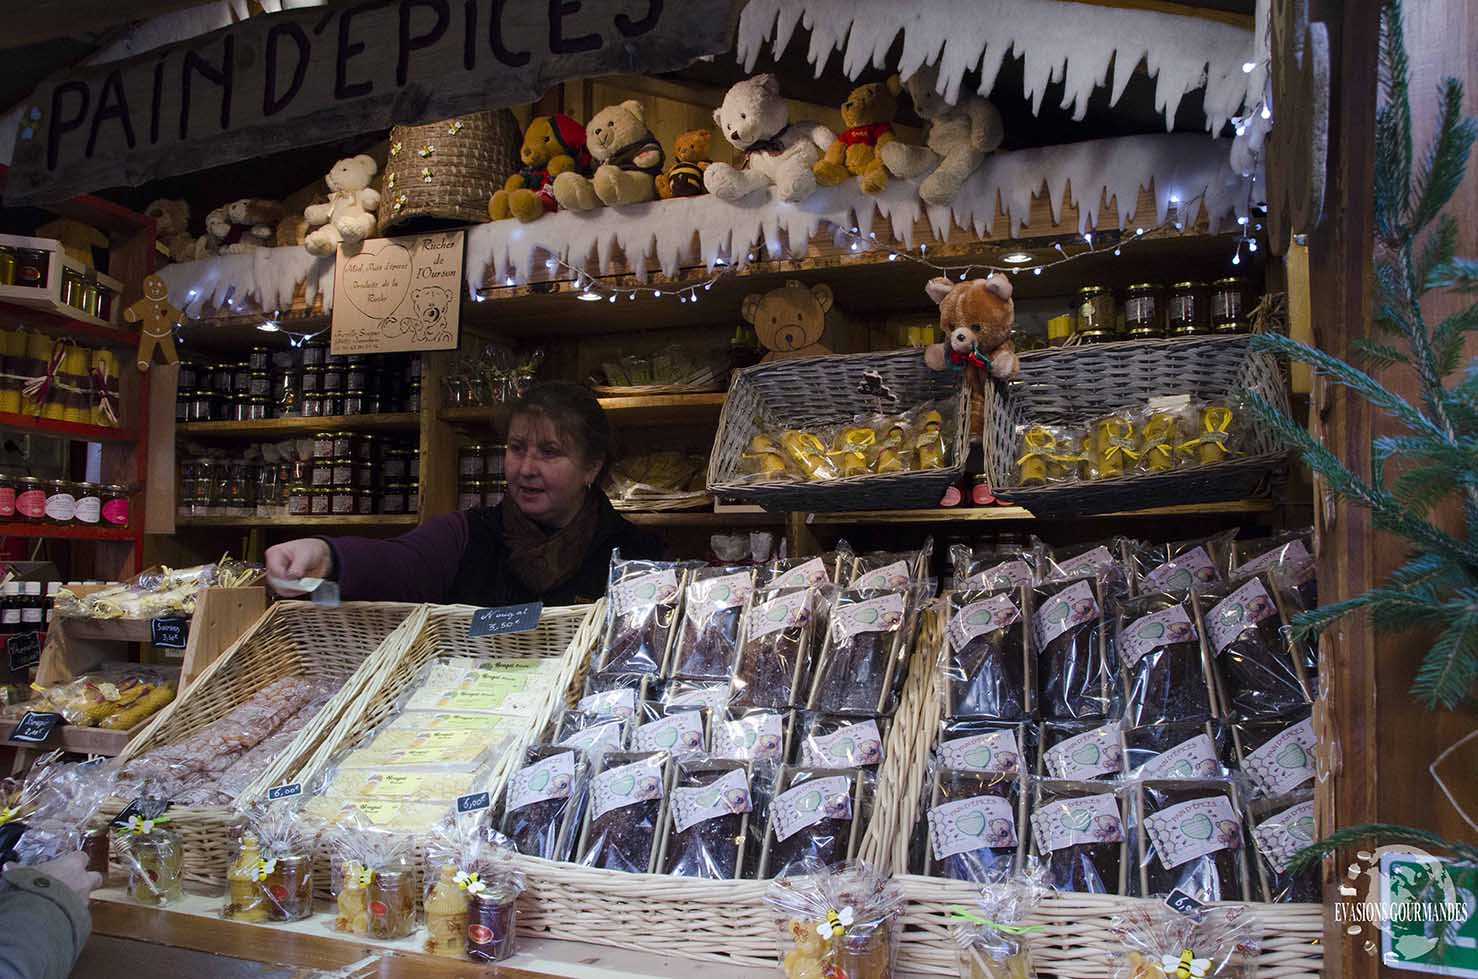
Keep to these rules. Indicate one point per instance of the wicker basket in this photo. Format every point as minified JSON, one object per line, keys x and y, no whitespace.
{"x":290,"y":639}
{"x":1079,"y":383}
{"x":813,"y":392}
{"x":469,"y":158}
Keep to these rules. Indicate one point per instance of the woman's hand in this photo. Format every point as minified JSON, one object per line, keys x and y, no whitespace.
{"x":306,"y":558}
{"x":71,"y":872}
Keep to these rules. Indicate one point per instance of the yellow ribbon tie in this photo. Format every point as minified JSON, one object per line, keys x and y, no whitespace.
{"x":1041,"y":447}
{"x":1158,"y":452}
{"x":1211,"y":444}
{"x":1119,"y":434}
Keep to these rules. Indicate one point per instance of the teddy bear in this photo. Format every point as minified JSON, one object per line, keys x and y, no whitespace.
{"x":976,"y":316}
{"x":756,"y":120}
{"x":292,"y":229}
{"x":629,"y":159}
{"x":172,"y":239}
{"x":348,"y":216}
{"x":790,"y":320}
{"x":552,"y":145}
{"x":684,"y":176}
{"x":958,"y":138}
{"x":868,"y":113}
{"x":78,"y":239}
{"x":254,"y":221}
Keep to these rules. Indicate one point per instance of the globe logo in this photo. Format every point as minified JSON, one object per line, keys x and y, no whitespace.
{"x":1414,"y":902}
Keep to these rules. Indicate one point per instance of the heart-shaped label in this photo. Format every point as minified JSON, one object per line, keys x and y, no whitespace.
{"x":1077,"y":819}
{"x":971,"y":823}
{"x":378,"y":281}
{"x":1198,"y":827}
{"x":1087,"y":754}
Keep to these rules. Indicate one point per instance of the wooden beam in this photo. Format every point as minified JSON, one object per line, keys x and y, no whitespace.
{"x":45,"y":20}
{"x":1178,"y":10}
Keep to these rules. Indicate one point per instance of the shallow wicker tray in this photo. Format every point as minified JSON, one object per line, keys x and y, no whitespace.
{"x":650,"y":390}
{"x":1075,"y":384}
{"x":814,"y":392}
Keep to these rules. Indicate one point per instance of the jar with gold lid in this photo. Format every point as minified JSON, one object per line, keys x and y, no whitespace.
{"x":1186,"y":312}
{"x":1228,"y":305}
{"x":1095,"y":314}
{"x":1142,"y":320}
{"x":320,"y":501}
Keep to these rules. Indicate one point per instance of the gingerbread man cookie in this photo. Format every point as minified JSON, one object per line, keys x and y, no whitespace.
{"x":158,"y":318}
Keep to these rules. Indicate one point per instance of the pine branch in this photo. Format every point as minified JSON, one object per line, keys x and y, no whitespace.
{"x":1377,"y":355}
{"x":1439,"y":249}
{"x":1392,"y":127}
{"x":1388,"y":832}
{"x":1446,"y":161}
{"x":1448,"y":672}
{"x":1458,"y":274}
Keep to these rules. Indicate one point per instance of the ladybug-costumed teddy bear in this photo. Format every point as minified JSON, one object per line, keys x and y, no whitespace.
{"x":756,"y":120}
{"x":868,"y":113}
{"x":552,"y":145}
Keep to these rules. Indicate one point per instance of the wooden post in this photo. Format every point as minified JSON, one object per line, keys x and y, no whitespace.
{"x":222,"y":616}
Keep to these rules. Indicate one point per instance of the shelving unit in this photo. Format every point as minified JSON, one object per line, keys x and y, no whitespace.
{"x":347,"y":520}
{"x":636,"y":411}
{"x":67,"y":322}
{"x":67,"y":531}
{"x":63,"y":429}
{"x":269,"y":429}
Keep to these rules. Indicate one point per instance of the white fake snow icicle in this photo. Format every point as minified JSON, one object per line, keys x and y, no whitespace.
{"x":1059,"y":41}
{"x":1180,"y":166}
{"x":267,"y":276}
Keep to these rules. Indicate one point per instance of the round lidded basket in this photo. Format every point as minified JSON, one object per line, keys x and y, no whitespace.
{"x":448,"y":169}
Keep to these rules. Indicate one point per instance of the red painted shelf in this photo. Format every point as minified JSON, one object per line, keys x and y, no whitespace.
{"x":66,"y":531}
{"x":71,"y":430}
{"x":60,"y":325}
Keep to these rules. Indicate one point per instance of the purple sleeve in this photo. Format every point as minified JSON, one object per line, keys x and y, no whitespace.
{"x":414,"y":567}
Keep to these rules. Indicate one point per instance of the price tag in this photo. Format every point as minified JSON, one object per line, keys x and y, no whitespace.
{"x":143,"y":808}
{"x":474,"y":802}
{"x":1179,"y":901}
{"x":36,"y":727}
{"x":24,"y":649}
{"x":170,"y":633}
{"x":505,"y":620}
{"x":284,"y":791}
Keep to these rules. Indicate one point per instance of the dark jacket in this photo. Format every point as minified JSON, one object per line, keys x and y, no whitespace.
{"x":461,"y":558}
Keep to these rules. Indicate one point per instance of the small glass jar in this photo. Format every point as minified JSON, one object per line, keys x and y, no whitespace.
{"x":469,"y":494}
{"x":364,"y":477}
{"x":312,"y":380}
{"x":360,"y":403}
{"x":182,"y":405}
{"x":117,"y":509}
{"x":413,"y":497}
{"x":392,"y":500}
{"x":241,"y":379}
{"x":222,"y":376}
{"x":88,"y":301}
{"x":95,"y":844}
{"x":31,"y":265}
{"x":364,"y":503}
{"x":201,"y":407}
{"x":240,"y":408}
{"x":30,"y":500}
{"x":367,"y":449}
{"x":343,"y":473}
{"x":333,"y":405}
{"x":343,"y":445}
{"x":323,"y":473}
{"x":1186,"y":313}
{"x":323,"y":445}
{"x":392,"y":904}
{"x":1095,"y":314}
{"x":494,"y":459}
{"x":341,"y":501}
{"x":413,"y":398}
{"x":1228,"y":305}
{"x":61,"y":502}
{"x":89,"y":506}
{"x":154,"y":863}
{"x":299,"y":500}
{"x":189,"y":374}
{"x":259,"y":384}
{"x":1142,"y":311}
{"x":312,"y":406}
{"x":360,"y":376}
{"x":260,"y":359}
{"x":290,"y":883}
{"x":320,"y":502}
{"x":471,"y":461}
{"x":314,"y":353}
{"x":72,"y":287}
{"x":492,"y":918}
{"x":7,"y":497}
{"x":258,"y":409}
{"x":334,"y":376}
{"x":106,"y":298}
{"x":393,"y":464}
{"x":7,"y":265}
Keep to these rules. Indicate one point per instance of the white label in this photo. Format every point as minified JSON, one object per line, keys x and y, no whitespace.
{"x":89,"y":509}
{"x":810,"y":802}
{"x":643,"y":591}
{"x":1192,"y":758}
{"x":617,"y":703}
{"x":626,"y":785}
{"x":1088,"y":755}
{"x":727,"y":796}
{"x":807,"y":575}
{"x":971,"y":824}
{"x":597,"y":738}
{"x":1285,"y":762}
{"x":680,"y":732}
{"x":714,"y":594}
{"x":993,"y":751}
{"x":1194,"y":829}
{"x":1148,"y":633}
{"x":1169,"y":402}
{"x":548,"y":778}
{"x":1006,"y":575}
{"x":978,"y":618}
{"x":1072,"y":822}
{"x":894,"y":576}
{"x":1099,"y":557}
{"x":1293,"y":554}
{"x":1280,"y":836}
{"x":786,"y":612}
{"x":1194,"y":567}
{"x":1240,"y":610}
{"x":11,"y":616}
{"x":1070,"y":607}
{"x":849,"y":747}
{"x":757,"y":737}
{"x":883,"y":614}
{"x":61,"y":507}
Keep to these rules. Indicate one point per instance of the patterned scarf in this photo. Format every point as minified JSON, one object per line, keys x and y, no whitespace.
{"x":544,"y":560}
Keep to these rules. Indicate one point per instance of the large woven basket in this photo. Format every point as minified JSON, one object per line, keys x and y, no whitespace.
{"x":1077,"y":384}
{"x":469,"y":157}
{"x":290,"y":639}
{"x":815,"y":392}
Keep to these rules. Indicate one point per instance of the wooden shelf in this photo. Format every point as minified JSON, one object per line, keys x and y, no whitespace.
{"x":647,"y":410}
{"x":108,"y":630}
{"x":82,"y":740}
{"x":273,"y":428}
{"x":70,"y":531}
{"x":701,"y":518}
{"x":63,"y":429}
{"x":59,"y":323}
{"x":351,"y":520}
{"x":1007,"y":513}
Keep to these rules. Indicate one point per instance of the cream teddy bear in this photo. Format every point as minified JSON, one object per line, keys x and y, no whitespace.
{"x":347,"y":217}
{"x":756,"y":120}
{"x":959,"y":137}
{"x":628,"y":159}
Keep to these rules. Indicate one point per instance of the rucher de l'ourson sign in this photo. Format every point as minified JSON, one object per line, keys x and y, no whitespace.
{"x":301,"y":77}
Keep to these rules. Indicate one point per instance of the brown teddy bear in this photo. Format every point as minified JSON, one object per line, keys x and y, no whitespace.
{"x":172,"y":239}
{"x":977,"y":317}
{"x":684,"y":176}
{"x":552,"y":145}
{"x":868,"y":113}
{"x":789,"y":321}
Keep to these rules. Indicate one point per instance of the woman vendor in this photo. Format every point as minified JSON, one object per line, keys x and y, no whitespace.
{"x":550,"y":539}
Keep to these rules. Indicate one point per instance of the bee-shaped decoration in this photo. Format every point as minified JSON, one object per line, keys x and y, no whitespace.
{"x":1185,"y":965}
{"x":836,"y":923}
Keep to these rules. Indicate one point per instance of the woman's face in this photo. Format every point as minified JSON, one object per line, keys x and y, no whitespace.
{"x":547,"y":477}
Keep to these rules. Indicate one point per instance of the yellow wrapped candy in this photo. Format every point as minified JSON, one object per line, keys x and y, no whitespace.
{"x":763,"y":456}
{"x":1114,"y":447}
{"x":1048,"y":454}
{"x":849,"y":449}
{"x":1158,"y":439}
{"x":929,"y":444}
{"x":1211,"y":443}
{"x":808,"y":454}
{"x":888,"y":453}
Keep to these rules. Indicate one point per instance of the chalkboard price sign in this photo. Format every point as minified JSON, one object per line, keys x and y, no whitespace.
{"x":37,"y":726}
{"x":24,"y":649}
{"x":170,"y":633}
{"x":474,"y":802}
{"x":1180,"y":901}
{"x":284,"y":791}
{"x":505,"y":620}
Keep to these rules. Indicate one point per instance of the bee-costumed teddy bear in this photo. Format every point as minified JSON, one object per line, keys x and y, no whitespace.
{"x":868,"y":113}
{"x":552,"y":145}
{"x":684,"y":176}
{"x":959,"y":137}
{"x":778,"y":152}
{"x":628,"y":159}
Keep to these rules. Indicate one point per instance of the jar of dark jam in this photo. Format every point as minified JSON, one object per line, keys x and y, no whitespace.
{"x":1142,"y":312}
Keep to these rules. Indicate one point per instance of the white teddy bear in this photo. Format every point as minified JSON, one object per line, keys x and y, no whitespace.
{"x":348,"y":216}
{"x":756,"y":120}
{"x":959,"y":137}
